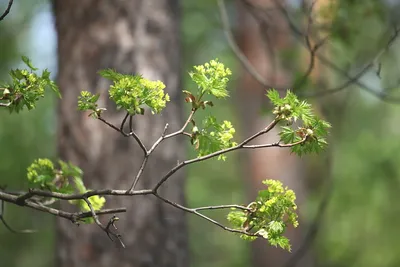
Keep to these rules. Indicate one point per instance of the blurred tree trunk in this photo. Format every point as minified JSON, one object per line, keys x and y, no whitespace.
{"x":323,"y":13}
{"x":262,"y":44}
{"x":140,"y":37}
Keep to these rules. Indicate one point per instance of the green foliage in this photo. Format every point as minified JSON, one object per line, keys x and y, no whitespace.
{"x":133,"y":92}
{"x":313,"y":131}
{"x":351,"y":18}
{"x":66,"y":179}
{"x":213,"y":137}
{"x":26,"y":88}
{"x":88,"y":101}
{"x":274,"y":208}
{"x":41,"y":172}
{"x":290,"y":108}
{"x":272,"y":212}
{"x":96,"y":201}
{"x":211,"y":78}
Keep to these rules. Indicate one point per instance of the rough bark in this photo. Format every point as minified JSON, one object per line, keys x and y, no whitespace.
{"x":140,"y":37}
{"x":261,"y":47}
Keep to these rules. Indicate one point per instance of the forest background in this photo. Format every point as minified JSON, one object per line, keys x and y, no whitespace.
{"x":357,"y":222}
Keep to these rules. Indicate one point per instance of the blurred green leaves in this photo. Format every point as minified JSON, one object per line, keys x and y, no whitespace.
{"x":65,"y":179}
{"x":26,"y":88}
{"x":88,"y":101}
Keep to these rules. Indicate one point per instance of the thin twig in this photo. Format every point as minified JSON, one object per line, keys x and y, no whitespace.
{"x":222,"y":207}
{"x":30,"y":199}
{"x":236,"y":50}
{"x":113,"y":126}
{"x":141,"y":169}
{"x":215,"y":154}
{"x":9,"y":228}
{"x":10,"y":3}
{"x":277,"y":144}
{"x":102,"y":192}
{"x":67,"y":215}
{"x":3,"y":220}
{"x":311,"y":49}
{"x":87,"y":214}
{"x":97,"y":221}
{"x":159,"y":141}
{"x":94,"y":215}
{"x":121,"y":128}
{"x":112,"y":221}
{"x":134,"y":135}
{"x":183,"y":127}
{"x":194,"y":211}
{"x":351,"y":79}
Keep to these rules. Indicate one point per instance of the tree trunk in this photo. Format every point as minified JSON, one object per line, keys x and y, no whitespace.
{"x":139,"y":37}
{"x":261,"y":44}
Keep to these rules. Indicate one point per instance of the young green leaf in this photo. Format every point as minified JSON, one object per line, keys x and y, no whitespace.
{"x":211,"y":78}
{"x":133,"y":92}
{"x":213,"y":137}
{"x":66,"y":179}
{"x":310,"y":137}
{"x":28,"y":62}
{"x":272,"y":212}
{"x":26,"y":88}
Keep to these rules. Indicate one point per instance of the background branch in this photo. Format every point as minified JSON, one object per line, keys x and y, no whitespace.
{"x":10,"y":3}
{"x":304,"y":39}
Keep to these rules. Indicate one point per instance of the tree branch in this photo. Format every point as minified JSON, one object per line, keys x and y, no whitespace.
{"x":133,"y":134}
{"x":32,"y":198}
{"x":10,"y":3}
{"x":235,"y":48}
{"x":159,"y":141}
{"x":105,"y":229}
{"x":3,"y":220}
{"x":194,"y":211}
{"x":217,"y":153}
{"x":350,"y":79}
{"x":5,"y":105}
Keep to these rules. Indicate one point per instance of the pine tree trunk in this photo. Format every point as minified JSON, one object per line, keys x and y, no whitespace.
{"x":136,"y":37}
{"x":262,"y":44}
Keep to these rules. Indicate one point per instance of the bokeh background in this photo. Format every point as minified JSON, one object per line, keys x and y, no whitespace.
{"x":357,"y":180}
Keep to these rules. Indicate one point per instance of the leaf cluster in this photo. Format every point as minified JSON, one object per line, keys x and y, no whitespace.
{"x":213,"y":137}
{"x":65,"y":179}
{"x":312,"y":130}
{"x":269,"y":216}
{"x":211,"y":78}
{"x":88,"y":101}
{"x":26,"y":87}
{"x":132,"y":92}
{"x":274,"y":208}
